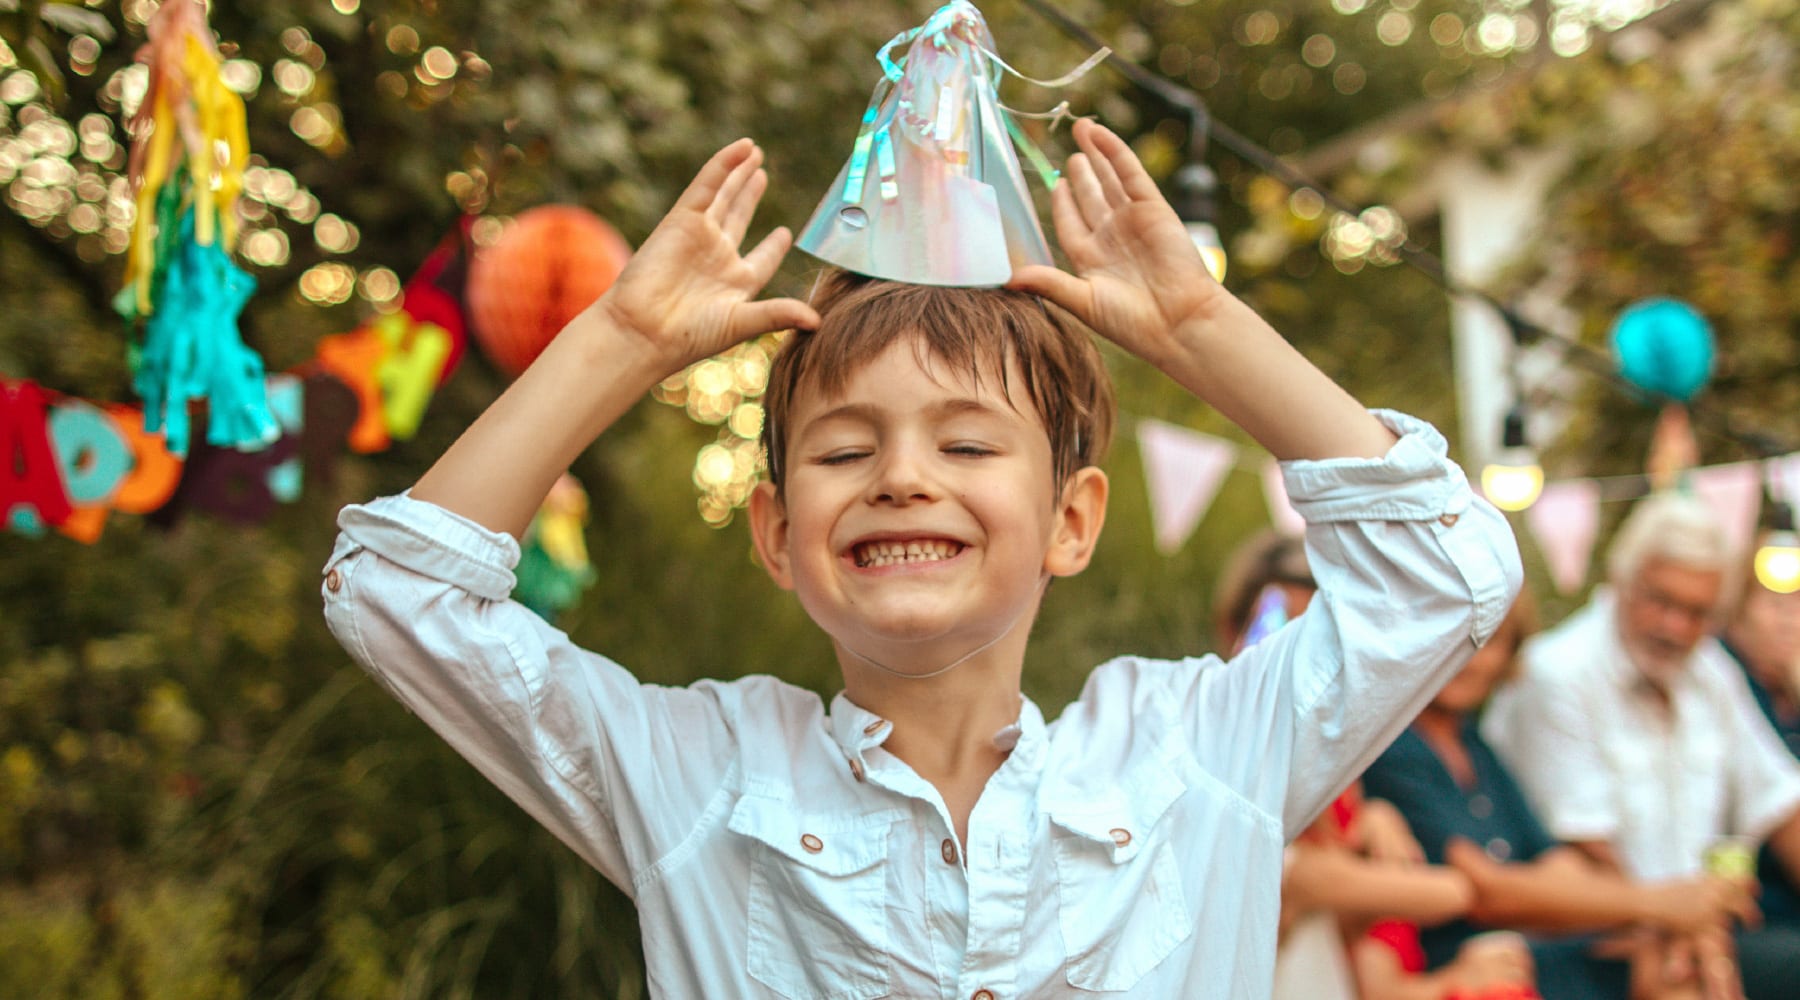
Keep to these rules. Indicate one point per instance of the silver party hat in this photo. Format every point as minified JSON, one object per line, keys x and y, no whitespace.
{"x":932,"y":193}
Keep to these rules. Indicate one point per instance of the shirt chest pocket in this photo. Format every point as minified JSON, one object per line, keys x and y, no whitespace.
{"x":1120,"y":898}
{"x":818,"y":899}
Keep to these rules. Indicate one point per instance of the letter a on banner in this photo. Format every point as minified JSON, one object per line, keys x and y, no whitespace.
{"x":32,"y":494}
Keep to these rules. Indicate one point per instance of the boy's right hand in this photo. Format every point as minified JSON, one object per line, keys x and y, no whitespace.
{"x":687,"y":293}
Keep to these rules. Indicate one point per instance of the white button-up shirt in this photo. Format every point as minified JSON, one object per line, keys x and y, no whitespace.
{"x":775,"y":849}
{"x":1601,"y":758}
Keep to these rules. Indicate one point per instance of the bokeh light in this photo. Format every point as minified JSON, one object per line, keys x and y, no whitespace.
{"x":726,"y":391}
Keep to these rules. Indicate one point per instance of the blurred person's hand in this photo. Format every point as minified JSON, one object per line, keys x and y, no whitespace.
{"x":1702,"y":964}
{"x":1496,"y":958}
{"x":1705,"y":903}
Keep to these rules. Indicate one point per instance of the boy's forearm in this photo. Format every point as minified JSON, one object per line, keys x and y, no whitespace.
{"x":1237,"y":363}
{"x":498,"y":472}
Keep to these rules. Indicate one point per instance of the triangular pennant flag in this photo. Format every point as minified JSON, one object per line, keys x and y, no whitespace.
{"x":1784,"y":478}
{"x":1734,"y":492}
{"x":1183,"y":470}
{"x":1282,"y":514}
{"x":1566,"y":520}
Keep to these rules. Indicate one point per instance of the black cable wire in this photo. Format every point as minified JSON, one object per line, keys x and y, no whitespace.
{"x":1522,"y":330}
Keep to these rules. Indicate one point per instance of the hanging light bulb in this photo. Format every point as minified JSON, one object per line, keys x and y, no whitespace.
{"x":1513,"y":480}
{"x":1195,"y":186}
{"x":1777,"y":559}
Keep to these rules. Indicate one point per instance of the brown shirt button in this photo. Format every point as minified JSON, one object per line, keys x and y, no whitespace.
{"x":982,"y":995}
{"x":949,"y":850}
{"x":1120,"y":835}
{"x":856,"y":769}
{"x":333,"y":581}
{"x":812,"y":844}
{"x":1449,"y":520}
{"x":874,"y":727}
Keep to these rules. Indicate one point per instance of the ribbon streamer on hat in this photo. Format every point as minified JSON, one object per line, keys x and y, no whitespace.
{"x":933,"y":193}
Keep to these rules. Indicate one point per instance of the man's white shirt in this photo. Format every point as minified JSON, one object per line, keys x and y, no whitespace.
{"x":1601,"y":757}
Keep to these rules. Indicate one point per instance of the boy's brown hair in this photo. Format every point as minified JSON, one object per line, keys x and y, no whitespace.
{"x":977,"y":330}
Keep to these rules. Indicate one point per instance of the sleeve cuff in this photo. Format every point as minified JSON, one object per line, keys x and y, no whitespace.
{"x":1777,"y":805}
{"x":433,"y":542}
{"x":1414,"y":481}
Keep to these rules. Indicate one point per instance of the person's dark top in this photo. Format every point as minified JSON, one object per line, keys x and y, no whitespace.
{"x":1780,"y":900}
{"x":1493,"y":813}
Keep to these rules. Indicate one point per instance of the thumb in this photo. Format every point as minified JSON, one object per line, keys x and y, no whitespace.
{"x":753,"y":318}
{"x":1058,"y":286}
{"x":1463,"y":854}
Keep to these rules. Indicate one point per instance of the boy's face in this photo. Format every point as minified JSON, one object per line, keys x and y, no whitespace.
{"x":920,"y":520}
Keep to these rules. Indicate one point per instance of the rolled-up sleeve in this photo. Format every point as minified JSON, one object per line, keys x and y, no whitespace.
{"x":1414,"y":572}
{"x":419,"y":598}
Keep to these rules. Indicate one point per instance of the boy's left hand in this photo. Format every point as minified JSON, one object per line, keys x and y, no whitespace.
{"x":1138,"y":277}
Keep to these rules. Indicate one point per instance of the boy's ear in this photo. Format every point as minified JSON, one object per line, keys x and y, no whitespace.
{"x":1079,"y":518}
{"x":769,"y":530}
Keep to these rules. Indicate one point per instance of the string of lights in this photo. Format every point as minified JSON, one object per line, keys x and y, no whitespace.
{"x":1515,"y":475}
{"x":1523,"y":330}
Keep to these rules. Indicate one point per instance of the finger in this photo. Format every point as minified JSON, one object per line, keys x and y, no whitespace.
{"x":739,"y":212}
{"x":1072,"y":231}
{"x":1748,"y":912}
{"x":766,"y":256}
{"x":1058,"y":286}
{"x":1134,"y":181}
{"x":755,"y":318}
{"x":733,"y":186}
{"x":705,"y":185}
{"x":1109,"y":179}
{"x":1084,"y":184}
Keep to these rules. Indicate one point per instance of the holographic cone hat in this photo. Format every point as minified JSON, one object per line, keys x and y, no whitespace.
{"x":933,"y":193}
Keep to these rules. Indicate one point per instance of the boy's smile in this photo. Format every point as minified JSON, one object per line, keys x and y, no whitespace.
{"x":920,"y":520}
{"x":882,"y":553}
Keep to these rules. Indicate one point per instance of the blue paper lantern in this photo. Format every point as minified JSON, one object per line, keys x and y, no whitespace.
{"x":1664,"y":346}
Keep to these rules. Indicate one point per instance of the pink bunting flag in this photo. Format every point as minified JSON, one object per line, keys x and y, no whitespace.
{"x":1182,"y":470}
{"x":1734,"y":492}
{"x":1566,"y":520}
{"x":1784,"y":478}
{"x":1282,"y":514}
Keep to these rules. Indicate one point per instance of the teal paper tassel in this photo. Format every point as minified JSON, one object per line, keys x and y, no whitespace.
{"x":192,"y":349}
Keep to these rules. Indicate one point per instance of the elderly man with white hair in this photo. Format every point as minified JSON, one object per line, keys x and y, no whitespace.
{"x":1635,"y":736}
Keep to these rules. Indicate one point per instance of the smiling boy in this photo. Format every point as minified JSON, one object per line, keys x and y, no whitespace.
{"x":932,"y":466}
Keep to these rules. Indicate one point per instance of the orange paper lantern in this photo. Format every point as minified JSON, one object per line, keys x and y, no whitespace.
{"x":549,"y":264}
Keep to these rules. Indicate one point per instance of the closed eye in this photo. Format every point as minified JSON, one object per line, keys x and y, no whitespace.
{"x":970,"y":450}
{"x":841,"y":457}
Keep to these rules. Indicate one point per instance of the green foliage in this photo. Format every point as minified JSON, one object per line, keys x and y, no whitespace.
{"x":1680,"y":188}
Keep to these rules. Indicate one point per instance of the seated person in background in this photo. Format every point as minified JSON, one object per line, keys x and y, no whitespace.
{"x":1333,"y":892}
{"x":1764,"y":638}
{"x":1634,"y":736}
{"x":1357,"y":864}
{"x":1465,"y":809}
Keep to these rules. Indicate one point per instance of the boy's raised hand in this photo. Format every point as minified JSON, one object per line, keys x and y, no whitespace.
{"x":687,"y":292}
{"x":1137,"y":276}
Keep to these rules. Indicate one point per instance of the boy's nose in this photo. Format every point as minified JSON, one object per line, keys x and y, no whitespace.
{"x":900,"y":478}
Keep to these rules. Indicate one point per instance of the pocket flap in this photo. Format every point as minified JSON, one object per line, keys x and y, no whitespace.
{"x":828,"y":843}
{"x":1123,"y":817}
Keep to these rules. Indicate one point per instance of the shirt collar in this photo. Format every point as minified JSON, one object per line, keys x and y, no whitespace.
{"x":857,"y":729}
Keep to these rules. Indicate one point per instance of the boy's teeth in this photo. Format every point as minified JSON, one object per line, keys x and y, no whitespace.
{"x":891,"y":553}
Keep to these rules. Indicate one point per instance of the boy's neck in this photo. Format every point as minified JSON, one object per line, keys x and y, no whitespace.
{"x":944,"y":726}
